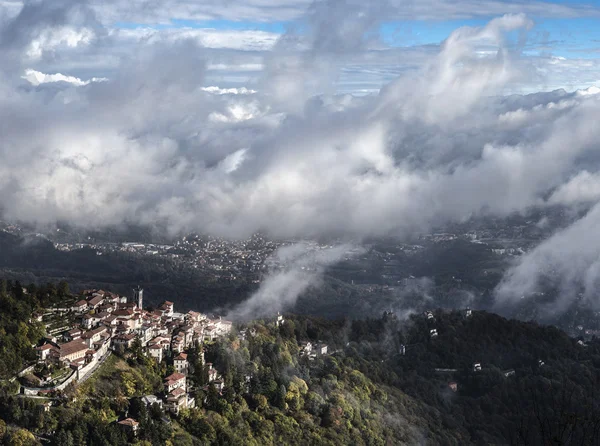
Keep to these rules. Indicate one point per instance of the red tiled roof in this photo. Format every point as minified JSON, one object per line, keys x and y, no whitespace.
{"x":128,"y":422}
{"x":177,"y":392}
{"x":72,"y":347}
{"x":175,"y":377}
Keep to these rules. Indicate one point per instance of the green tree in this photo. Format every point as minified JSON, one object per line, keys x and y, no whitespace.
{"x":21,"y":437}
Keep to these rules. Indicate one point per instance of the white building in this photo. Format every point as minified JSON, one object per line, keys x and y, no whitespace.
{"x":181,"y":363}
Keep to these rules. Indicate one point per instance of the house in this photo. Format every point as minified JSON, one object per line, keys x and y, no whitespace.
{"x":175,"y":381}
{"x":187,"y":331}
{"x":306,"y":348}
{"x":509,"y":372}
{"x":167,"y":308}
{"x":219,"y":385}
{"x":44,"y":351}
{"x":468,"y":312}
{"x":126,"y":340}
{"x":181,"y":363}
{"x":150,"y":400}
{"x":321,"y":349}
{"x":95,"y":302}
{"x":433,"y":333}
{"x":71,"y":351}
{"x":80,"y":306}
{"x":402,"y":349}
{"x":279,"y":321}
{"x":212,"y":373}
{"x":90,"y":321}
{"x":45,"y":406}
{"x":477,"y":367}
{"x":73,"y":334}
{"x":177,"y":345}
{"x":156,"y":351}
{"x":195,"y":317}
{"x":177,"y":400}
{"x":211,"y":333}
{"x":453,"y":386}
{"x":93,"y":336}
{"x":129,"y":425}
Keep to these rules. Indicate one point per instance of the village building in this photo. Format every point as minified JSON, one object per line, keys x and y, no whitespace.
{"x":150,"y":400}
{"x":90,"y":320}
{"x":73,"y":334}
{"x":306,"y":348}
{"x":156,"y":351}
{"x":124,"y":339}
{"x":279,"y":321}
{"x":44,"y":351}
{"x":69,"y":352}
{"x":175,"y":381}
{"x":321,"y":349}
{"x":80,"y":306}
{"x":178,"y":399}
{"x":167,"y":308}
{"x":181,"y":364}
{"x":129,"y":425}
{"x":95,"y":301}
{"x":213,"y":375}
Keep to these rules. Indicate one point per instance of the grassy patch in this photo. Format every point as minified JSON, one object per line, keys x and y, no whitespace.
{"x":117,"y":378}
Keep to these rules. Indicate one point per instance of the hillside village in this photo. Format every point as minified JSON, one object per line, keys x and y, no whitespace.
{"x":103,"y":322}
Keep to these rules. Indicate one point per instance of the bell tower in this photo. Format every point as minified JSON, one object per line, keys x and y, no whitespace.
{"x":138,"y":296}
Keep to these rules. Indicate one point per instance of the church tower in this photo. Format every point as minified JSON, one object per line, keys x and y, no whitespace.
{"x":138,"y":296}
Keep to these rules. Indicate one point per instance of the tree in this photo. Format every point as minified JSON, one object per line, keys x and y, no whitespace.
{"x":279,"y":399}
{"x":21,"y":437}
{"x":2,"y":429}
{"x":63,"y":289}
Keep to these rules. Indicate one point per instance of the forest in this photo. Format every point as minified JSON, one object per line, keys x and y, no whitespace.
{"x":482,"y":379}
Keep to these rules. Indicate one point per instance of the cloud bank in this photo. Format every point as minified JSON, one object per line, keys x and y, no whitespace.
{"x":288,"y":155}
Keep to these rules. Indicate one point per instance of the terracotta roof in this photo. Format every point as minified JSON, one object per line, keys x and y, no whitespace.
{"x":98,"y":330}
{"x":128,"y":422}
{"x":45,"y":347}
{"x":177,"y":392}
{"x":96,"y":300}
{"x":80,"y":303}
{"x":175,"y":377}
{"x":123,"y":313}
{"x":181,"y":357}
{"x":72,"y":347}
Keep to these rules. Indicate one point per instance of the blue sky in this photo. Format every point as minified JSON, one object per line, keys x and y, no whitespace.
{"x":566,"y":37}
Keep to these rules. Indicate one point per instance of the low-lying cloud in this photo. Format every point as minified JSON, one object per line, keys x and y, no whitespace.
{"x":294,"y":269}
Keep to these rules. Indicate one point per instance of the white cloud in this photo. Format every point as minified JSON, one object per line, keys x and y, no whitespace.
{"x":37,"y":78}
{"x":295,"y":269}
{"x":583,"y":187}
{"x":220,"y":91}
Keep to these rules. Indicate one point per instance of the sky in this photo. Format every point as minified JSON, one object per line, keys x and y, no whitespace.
{"x":305,"y":119}
{"x":563,"y":46}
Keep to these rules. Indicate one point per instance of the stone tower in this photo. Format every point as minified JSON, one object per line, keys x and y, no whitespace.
{"x":138,"y":296}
